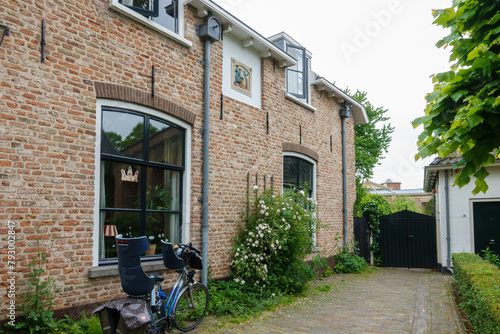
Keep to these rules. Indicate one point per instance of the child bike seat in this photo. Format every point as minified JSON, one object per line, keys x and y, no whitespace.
{"x":170,"y":260}
{"x":135,"y":282}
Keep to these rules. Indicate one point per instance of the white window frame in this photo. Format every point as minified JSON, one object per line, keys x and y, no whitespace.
{"x":305,"y":102}
{"x":179,"y":36}
{"x":313,"y":190}
{"x":186,"y":199}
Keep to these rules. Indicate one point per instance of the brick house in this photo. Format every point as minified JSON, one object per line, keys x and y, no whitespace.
{"x":101,"y":127}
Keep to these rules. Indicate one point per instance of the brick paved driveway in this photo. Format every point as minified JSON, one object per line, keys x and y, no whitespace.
{"x":382,"y":301}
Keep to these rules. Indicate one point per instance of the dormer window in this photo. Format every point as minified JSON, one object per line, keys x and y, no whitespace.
{"x":163,"y":12}
{"x":296,"y":76}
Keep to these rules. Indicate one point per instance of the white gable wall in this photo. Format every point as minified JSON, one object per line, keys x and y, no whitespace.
{"x":248,"y":56}
{"x":461,"y":214}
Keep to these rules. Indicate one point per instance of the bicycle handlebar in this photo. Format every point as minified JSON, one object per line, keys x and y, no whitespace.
{"x":186,"y":248}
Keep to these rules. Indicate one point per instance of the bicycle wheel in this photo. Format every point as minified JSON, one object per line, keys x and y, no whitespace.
{"x":191,"y":307}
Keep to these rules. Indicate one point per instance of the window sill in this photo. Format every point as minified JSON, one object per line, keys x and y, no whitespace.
{"x":299,"y":102}
{"x":112,"y":270}
{"x":118,"y":7}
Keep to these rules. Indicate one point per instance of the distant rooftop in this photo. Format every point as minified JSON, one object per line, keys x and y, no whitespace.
{"x":419,"y":191}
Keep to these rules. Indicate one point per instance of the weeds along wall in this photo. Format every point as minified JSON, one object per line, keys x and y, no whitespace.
{"x":49,"y":136}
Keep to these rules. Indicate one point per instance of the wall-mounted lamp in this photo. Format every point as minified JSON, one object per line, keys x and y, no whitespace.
{"x":4,"y":31}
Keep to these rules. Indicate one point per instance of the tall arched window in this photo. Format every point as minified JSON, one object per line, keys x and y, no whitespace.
{"x":142,"y":164}
{"x":299,"y":173}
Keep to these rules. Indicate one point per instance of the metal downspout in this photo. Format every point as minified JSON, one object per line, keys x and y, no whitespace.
{"x":448,"y":233}
{"x":206,"y":146}
{"x":344,"y":113}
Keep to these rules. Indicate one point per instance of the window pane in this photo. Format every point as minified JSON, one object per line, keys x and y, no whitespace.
{"x":165,"y":143}
{"x":294,"y":82}
{"x":122,"y":134}
{"x":167,"y":15}
{"x":120,"y":185}
{"x":125,"y":223}
{"x":297,"y":54}
{"x":305,"y":174}
{"x":142,"y":4}
{"x":163,"y":191}
{"x":162,"y":226}
{"x":290,"y":171}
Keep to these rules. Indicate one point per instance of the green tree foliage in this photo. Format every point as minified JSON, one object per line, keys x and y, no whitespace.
{"x":400,"y":203}
{"x":430,"y":207}
{"x":361,"y":192}
{"x":463,"y":112}
{"x":135,"y":136}
{"x":371,"y":140}
{"x":374,"y":206}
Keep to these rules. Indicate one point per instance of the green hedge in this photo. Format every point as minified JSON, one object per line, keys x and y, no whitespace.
{"x":478,"y":283}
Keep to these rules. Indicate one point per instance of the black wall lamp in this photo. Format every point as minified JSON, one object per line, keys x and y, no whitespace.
{"x":4,"y":31}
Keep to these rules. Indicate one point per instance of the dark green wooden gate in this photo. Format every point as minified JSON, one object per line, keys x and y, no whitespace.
{"x":408,"y":239}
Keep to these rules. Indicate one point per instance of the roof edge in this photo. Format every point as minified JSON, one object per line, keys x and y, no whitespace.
{"x":261,"y":44}
{"x":359,"y":113}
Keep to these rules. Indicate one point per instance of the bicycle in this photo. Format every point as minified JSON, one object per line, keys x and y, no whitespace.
{"x":188,"y":301}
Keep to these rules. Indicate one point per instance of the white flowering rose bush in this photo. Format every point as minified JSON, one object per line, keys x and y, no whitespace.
{"x":270,"y":250}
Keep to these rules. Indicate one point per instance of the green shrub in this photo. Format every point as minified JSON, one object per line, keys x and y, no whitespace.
{"x":349,"y":262}
{"x":37,"y":302}
{"x":240,"y":301}
{"x":478,"y":283}
{"x":90,"y":325}
{"x":269,"y":252}
{"x":491,"y":257}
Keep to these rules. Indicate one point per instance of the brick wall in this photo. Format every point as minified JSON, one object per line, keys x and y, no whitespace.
{"x":48,"y":134}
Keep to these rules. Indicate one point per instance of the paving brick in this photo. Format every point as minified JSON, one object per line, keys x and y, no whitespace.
{"x":382,"y":301}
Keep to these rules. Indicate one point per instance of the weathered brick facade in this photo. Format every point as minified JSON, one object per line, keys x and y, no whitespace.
{"x":48,"y":132}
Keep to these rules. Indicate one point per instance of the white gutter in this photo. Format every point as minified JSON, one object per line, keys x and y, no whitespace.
{"x":358,"y":111}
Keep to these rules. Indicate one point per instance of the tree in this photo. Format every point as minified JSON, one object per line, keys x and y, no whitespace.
{"x":463,"y":112}
{"x":374,"y":206}
{"x":371,"y":140}
{"x":430,"y":207}
{"x":400,"y":203}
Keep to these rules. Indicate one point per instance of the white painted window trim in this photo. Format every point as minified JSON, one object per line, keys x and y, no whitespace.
{"x":314,"y":163}
{"x":300,"y":102}
{"x":178,"y":37}
{"x":186,"y":208}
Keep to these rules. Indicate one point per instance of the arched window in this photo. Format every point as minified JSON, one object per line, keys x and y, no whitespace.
{"x":141,"y":186}
{"x":299,"y":172}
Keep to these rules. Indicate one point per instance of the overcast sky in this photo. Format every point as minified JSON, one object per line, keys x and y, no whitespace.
{"x":384,"y":47}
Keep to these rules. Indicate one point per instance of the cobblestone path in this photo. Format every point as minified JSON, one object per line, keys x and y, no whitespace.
{"x":382,"y":301}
